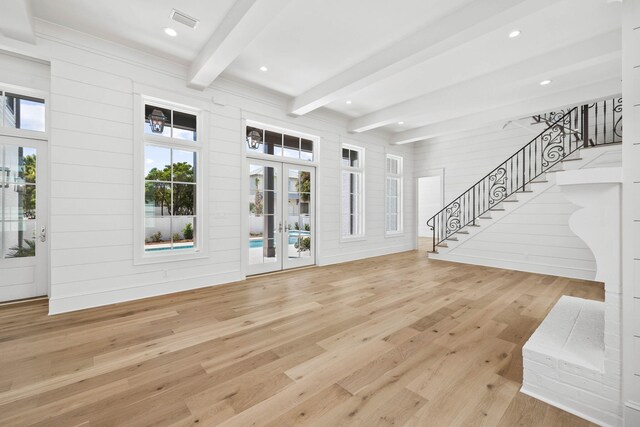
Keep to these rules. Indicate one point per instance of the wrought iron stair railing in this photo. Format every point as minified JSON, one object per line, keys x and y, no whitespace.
{"x":568,"y":131}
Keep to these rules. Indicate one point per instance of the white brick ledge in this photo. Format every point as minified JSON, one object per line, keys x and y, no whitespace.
{"x":564,"y":362}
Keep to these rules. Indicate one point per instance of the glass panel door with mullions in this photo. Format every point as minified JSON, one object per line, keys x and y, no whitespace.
{"x":281,"y":216}
{"x":23,"y":228}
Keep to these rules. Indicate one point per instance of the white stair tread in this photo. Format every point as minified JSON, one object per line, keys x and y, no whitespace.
{"x":573,"y":332}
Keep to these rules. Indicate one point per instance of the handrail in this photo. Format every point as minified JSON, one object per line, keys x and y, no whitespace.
{"x":554,"y":144}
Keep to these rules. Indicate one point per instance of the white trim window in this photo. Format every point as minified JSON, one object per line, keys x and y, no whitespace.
{"x":172,"y":181}
{"x":393,"y":196}
{"x":352,"y":183}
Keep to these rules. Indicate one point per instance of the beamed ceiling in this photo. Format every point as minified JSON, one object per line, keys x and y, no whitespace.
{"x":435,"y":66}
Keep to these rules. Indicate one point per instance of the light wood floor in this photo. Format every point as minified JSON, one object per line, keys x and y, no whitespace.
{"x":394,"y":340}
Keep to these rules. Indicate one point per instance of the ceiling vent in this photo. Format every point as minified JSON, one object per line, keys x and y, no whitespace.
{"x":184,"y":19}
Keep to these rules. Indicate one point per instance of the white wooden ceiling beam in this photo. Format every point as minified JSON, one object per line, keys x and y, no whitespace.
{"x":461,"y":99}
{"x":16,"y":20}
{"x":459,"y":27}
{"x":242,"y":24}
{"x":546,"y":103}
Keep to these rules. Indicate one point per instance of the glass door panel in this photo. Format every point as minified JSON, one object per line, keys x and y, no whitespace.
{"x":22,"y":219}
{"x":299,"y":220}
{"x":264,"y":217}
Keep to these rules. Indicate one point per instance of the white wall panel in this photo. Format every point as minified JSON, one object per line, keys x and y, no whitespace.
{"x":92,"y":151}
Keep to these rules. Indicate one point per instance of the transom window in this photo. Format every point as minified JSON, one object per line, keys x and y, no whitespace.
{"x":352,"y":191}
{"x":265,"y":141}
{"x":394,"y":194}
{"x":170,"y":181}
{"x":177,"y":124}
{"x":22,"y":112}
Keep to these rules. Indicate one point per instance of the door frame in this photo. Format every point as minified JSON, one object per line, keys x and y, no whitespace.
{"x":283,"y":263}
{"x":429,"y":173}
{"x":43,"y":185}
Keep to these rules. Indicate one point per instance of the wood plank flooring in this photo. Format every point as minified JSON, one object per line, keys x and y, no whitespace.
{"x":395,"y":340}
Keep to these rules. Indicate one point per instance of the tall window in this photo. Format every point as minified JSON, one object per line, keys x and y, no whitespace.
{"x":170,"y":180}
{"x":352,"y":191}
{"x":394,"y":194}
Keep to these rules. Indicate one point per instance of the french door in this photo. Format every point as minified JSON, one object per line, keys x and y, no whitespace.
{"x":281,"y":216}
{"x":23,"y":218}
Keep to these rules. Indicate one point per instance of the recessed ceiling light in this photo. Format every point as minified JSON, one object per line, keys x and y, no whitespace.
{"x":400,"y":123}
{"x":513,"y":34}
{"x":263,"y":68}
{"x":348,"y":102}
{"x":170,"y":32}
{"x":545,"y":82}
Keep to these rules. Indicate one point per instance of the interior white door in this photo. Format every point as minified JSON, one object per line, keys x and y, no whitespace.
{"x":299,"y":215}
{"x":23,"y":218}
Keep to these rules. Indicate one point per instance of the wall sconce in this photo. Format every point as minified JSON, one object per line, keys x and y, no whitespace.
{"x":157,"y":120}
{"x":254,"y":139}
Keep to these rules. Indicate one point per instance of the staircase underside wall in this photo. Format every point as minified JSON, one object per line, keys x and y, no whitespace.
{"x":534,"y":236}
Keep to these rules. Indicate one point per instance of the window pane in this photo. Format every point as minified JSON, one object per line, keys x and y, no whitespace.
{"x":157,"y":163}
{"x":355,"y":183}
{"x":392,"y":223}
{"x":183,"y":231}
{"x":22,"y":112}
{"x":148,"y":109}
{"x":291,"y":147}
{"x":157,"y":234}
{"x":392,"y":205}
{"x":354,"y":158}
{"x":346,"y":225}
{"x":272,"y":143}
{"x":392,"y":186}
{"x":19,"y":202}
{"x":269,"y":203}
{"x":306,"y":149}
{"x":345,"y":157}
{"x":269,"y":251}
{"x":184,"y":199}
{"x":184,"y":126}
{"x":157,"y":199}
{"x":19,"y":164}
{"x":393,"y":165}
{"x":20,"y":238}
{"x":184,"y":166}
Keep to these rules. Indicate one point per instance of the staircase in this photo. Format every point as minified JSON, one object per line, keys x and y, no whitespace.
{"x":567,"y":133}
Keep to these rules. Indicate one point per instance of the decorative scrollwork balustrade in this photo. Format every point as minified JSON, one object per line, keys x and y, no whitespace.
{"x":567,"y":131}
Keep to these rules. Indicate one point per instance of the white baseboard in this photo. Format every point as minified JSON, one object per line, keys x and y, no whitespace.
{"x":81,"y":302}
{"x":631,"y":415}
{"x":354,"y":256}
{"x":552,"y":270}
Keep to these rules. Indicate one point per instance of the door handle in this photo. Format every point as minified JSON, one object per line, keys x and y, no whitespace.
{"x":43,"y":234}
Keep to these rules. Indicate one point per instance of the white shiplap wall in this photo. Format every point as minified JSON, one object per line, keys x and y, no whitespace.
{"x":631,"y":211}
{"x":536,"y":237}
{"x":92,"y":151}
